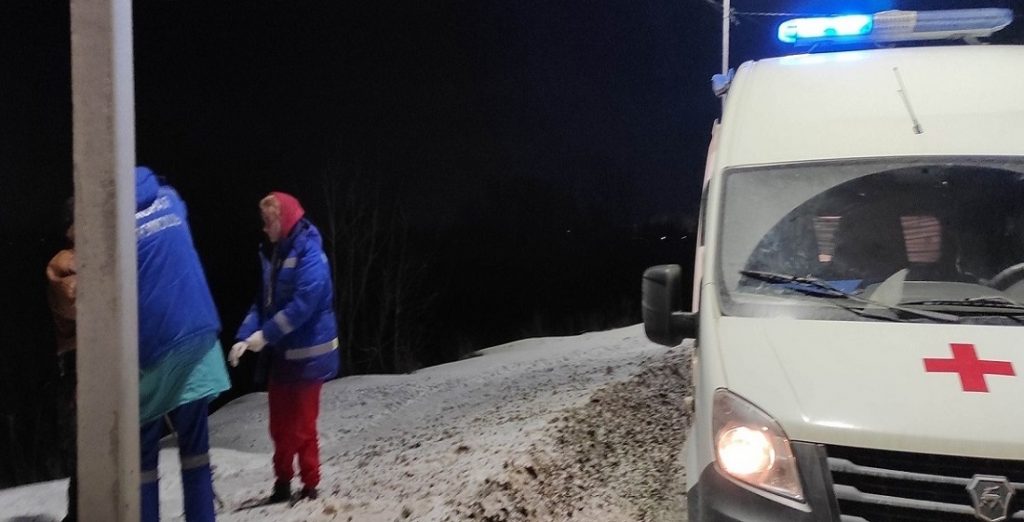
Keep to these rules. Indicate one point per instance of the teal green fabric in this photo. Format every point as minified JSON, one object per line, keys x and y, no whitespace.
{"x":182,"y":376}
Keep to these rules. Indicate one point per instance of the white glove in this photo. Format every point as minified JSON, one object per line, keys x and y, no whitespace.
{"x":236,"y":352}
{"x":256,"y":341}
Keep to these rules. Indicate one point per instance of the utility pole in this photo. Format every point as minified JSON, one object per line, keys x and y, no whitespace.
{"x":726,"y":21}
{"x":103,"y":115}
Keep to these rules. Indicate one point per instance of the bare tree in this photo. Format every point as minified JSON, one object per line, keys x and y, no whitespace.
{"x":379,"y":277}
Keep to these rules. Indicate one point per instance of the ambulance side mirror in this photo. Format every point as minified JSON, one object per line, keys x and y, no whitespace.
{"x":663,"y":322}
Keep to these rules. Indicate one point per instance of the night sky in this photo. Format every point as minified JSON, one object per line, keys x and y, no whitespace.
{"x":498,"y":127}
{"x":437,"y":98}
{"x":444,"y":107}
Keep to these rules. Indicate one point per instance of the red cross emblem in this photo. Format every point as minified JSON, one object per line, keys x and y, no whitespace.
{"x":971,"y":369}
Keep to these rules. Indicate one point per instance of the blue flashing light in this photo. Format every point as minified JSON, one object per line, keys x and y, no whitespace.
{"x":896,"y":26}
{"x":829,"y":27}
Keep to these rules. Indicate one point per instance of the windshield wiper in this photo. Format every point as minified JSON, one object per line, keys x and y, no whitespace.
{"x":813,"y":287}
{"x":782,"y":279}
{"x":994,"y":303}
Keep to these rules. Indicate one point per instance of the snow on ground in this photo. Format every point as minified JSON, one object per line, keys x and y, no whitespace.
{"x":588,"y":427}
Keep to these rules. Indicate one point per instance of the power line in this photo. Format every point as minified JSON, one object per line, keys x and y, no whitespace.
{"x":778,"y":15}
{"x":765,"y":14}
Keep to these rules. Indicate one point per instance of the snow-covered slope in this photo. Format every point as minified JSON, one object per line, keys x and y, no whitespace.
{"x":532,"y":430}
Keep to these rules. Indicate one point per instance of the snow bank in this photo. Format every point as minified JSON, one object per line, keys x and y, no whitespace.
{"x":538,"y":429}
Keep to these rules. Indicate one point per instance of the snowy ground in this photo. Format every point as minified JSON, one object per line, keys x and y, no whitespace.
{"x":588,"y":427}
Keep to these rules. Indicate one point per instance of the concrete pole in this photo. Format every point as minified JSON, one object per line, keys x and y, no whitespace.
{"x":103,"y":115}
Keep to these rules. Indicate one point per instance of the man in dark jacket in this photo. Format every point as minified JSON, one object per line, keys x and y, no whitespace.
{"x":181,"y":362}
{"x":62,"y":278}
{"x":294,"y":320}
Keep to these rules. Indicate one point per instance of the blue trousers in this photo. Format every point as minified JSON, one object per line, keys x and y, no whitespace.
{"x":188,"y":421}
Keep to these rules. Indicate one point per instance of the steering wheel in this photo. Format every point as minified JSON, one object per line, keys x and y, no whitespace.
{"x":1008,"y":277}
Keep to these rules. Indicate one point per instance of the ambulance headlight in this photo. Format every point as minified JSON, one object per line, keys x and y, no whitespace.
{"x":751,"y":447}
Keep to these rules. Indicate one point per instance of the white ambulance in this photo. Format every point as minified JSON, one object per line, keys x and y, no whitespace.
{"x":859,"y":296}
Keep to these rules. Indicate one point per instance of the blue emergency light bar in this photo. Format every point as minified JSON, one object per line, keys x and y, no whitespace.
{"x":893,"y":26}
{"x":800,"y":29}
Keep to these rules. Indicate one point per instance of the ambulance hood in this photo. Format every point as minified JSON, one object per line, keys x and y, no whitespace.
{"x":934,"y":388}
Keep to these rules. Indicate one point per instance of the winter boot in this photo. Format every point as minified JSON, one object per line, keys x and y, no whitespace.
{"x":282,"y":492}
{"x":309,"y":492}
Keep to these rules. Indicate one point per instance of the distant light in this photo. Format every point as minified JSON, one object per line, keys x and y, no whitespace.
{"x":664,"y":238}
{"x":832,"y":26}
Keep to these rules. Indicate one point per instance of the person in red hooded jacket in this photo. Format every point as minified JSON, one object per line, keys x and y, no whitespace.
{"x":294,"y":327}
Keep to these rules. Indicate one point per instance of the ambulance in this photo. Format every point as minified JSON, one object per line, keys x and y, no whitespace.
{"x":858,"y":307}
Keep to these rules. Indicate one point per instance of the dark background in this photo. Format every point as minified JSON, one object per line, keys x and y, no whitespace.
{"x":483,"y":170}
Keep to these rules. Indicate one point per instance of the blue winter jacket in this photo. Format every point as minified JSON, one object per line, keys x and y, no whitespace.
{"x":296,"y":310}
{"x":175,"y":305}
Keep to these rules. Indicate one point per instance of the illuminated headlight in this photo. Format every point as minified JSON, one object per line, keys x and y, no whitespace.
{"x":752,"y":448}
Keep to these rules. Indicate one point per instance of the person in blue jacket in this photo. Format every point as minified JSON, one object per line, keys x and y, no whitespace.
{"x":181,"y":363}
{"x":294,"y":322}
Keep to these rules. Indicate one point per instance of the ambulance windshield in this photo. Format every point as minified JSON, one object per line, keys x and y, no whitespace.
{"x":956,"y":226}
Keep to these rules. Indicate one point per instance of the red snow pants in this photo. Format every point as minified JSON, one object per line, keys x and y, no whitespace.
{"x":294,"y":408}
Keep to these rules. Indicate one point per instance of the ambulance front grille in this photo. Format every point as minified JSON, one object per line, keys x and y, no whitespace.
{"x":879,"y":486}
